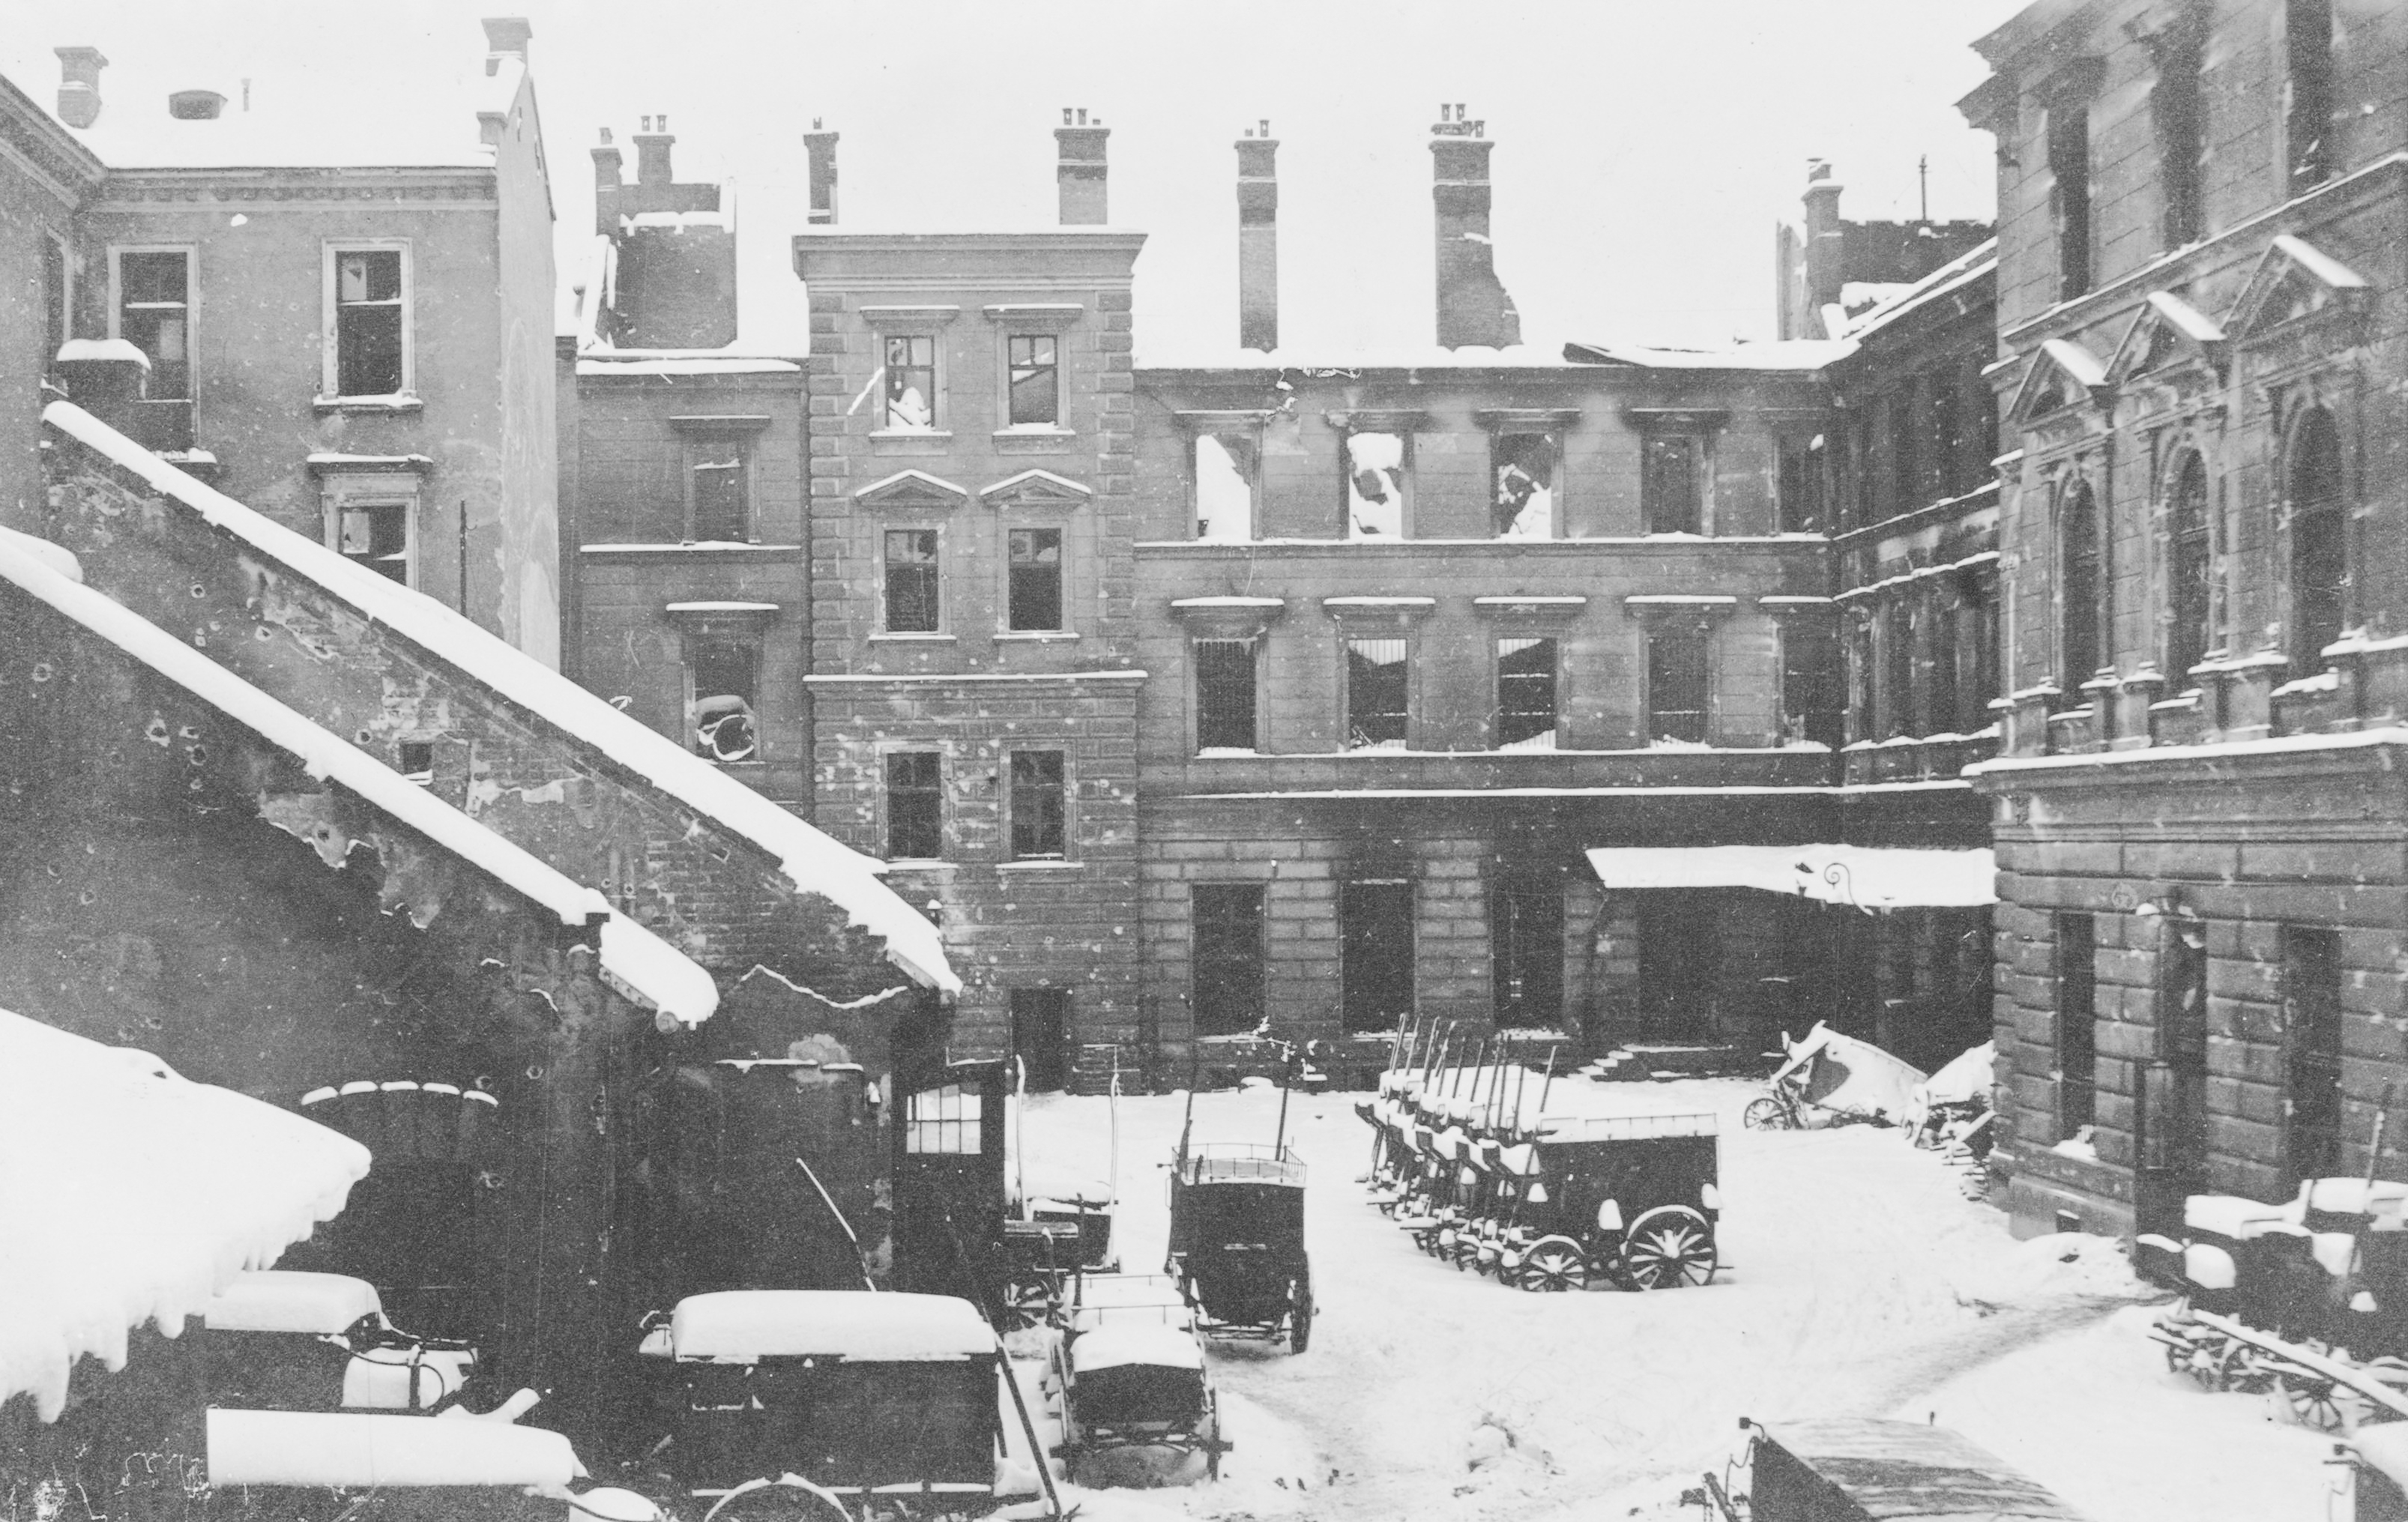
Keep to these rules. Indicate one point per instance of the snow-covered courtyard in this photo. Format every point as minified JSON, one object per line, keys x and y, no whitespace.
{"x":1856,"y":1281}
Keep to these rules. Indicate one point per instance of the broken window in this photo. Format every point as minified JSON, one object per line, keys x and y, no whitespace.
{"x":2312,"y":1024}
{"x":2078,"y":642}
{"x":1227,"y":971}
{"x":915,"y":806}
{"x":720,"y":692}
{"x":1525,"y":939}
{"x":2077,"y":1023}
{"x":1375,"y":953}
{"x":2190,"y":572}
{"x":1800,"y":484}
{"x":2319,"y":542}
{"x":1375,"y":486}
{"x":1035,"y":380}
{"x":2308,"y":36}
{"x":1375,"y":695}
{"x":1525,"y":694}
{"x":154,"y":314}
{"x":1677,"y":686}
{"x":377,"y":534}
{"x":911,"y":384}
{"x":1814,"y":686}
{"x":1224,"y":695}
{"x":2068,"y":198}
{"x":1038,"y":802}
{"x":943,"y":1120}
{"x":720,"y":478}
{"x":1035,"y":556}
{"x":1225,"y":466}
{"x":369,"y":319}
{"x":911,"y":606}
{"x":1523,"y":466}
{"x":1668,"y":499}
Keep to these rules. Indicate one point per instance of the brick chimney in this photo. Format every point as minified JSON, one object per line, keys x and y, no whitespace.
{"x":652,"y":154}
{"x":1825,"y":268}
{"x":818,"y":146}
{"x":1259,"y":240}
{"x":79,"y":85}
{"x":505,"y":36}
{"x":606,"y":185}
{"x":1473,"y":306}
{"x":1080,"y":171}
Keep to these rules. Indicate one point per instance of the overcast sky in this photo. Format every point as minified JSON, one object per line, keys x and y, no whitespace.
{"x":1644,"y":148}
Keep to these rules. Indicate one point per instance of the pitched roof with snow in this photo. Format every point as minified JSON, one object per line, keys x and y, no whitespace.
{"x":811,"y":861}
{"x":1966,"y":269}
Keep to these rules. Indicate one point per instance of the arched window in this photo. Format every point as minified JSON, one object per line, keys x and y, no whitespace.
{"x":2190,"y":577}
{"x":2319,"y":541}
{"x":2077,"y":613}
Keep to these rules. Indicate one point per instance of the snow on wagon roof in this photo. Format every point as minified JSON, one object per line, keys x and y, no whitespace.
{"x":631,"y":958}
{"x":130,"y":1194}
{"x":812,"y":861}
{"x":290,"y":1300}
{"x":734,"y":1326}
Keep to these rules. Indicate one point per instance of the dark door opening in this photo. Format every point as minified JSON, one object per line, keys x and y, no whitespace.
{"x":1040,"y":1037}
{"x":1375,"y":953}
{"x":1676,"y":964}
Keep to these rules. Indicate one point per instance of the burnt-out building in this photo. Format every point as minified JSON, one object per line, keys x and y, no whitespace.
{"x":2198,"y":810}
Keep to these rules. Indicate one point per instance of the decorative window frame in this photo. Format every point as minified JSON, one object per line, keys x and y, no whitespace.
{"x":2336,"y":395}
{"x":696,"y":433}
{"x":365,"y":481}
{"x":1193,"y":425}
{"x":2086,"y":469}
{"x":1036,"y":500}
{"x":2169,"y":448}
{"x":330,"y":400}
{"x":1033,"y":320}
{"x":1658,"y":614}
{"x":916,"y":322}
{"x":744,"y":624}
{"x":1404,"y":421}
{"x":1557,"y":423}
{"x":1703,"y":423}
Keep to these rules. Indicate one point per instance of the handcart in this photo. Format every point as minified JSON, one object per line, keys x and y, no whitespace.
{"x":1136,"y":1403}
{"x":1860,"y":1470}
{"x":1631,"y":1201}
{"x":1830,"y":1079}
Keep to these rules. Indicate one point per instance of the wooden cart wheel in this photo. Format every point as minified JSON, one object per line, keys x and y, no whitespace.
{"x":1029,"y":1302}
{"x":1555,"y":1264}
{"x":1765,"y":1114}
{"x":1300,"y":1314}
{"x":2315,"y":1402}
{"x":1669,"y":1246}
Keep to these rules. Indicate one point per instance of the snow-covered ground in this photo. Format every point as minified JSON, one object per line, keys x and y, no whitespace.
{"x":1857,"y":1282}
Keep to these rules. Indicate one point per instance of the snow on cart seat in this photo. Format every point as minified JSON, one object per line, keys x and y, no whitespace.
{"x":1119,"y":1346}
{"x":361,"y":1451}
{"x":633,"y":959}
{"x":812,"y":861}
{"x":288,"y":1300}
{"x":128,"y":1195}
{"x":736,"y":1326}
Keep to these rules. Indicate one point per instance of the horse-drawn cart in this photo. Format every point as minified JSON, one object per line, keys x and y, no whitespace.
{"x":1237,"y":1239}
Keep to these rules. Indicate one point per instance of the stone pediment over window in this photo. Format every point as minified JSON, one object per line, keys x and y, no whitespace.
{"x":1680,"y":609}
{"x":2295,"y":280}
{"x":2167,"y":334}
{"x":2062,"y":374}
{"x":911,"y":489}
{"x":1036,"y":489}
{"x":1379,"y":420}
{"x":1358,"y":615}
{"x":1229,"y":617}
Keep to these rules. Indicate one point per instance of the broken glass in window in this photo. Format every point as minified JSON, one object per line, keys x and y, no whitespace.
{"x":1525,"y":501}
{"x":1526,"y":694}
{"x":367,"y":322}
{"x":1375,"y":695}
{"x":1375,"y":486}
{"x":911,"y":384}
{"x":720,"y":675}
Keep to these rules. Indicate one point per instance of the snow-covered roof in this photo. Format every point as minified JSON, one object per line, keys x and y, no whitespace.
{"x":1119,"y":1345}
{"x":1400,"y":356}
{"x":367,"y":1451}
{"x":631,"y":958}
{"x":735,"y":1325}
{"x":1781,"y":355}
{"x":1865,"y":877}
{"x":290,"y":1300}
{"x":129,"y":1195}
{"x":812,"y":861}
{"x":1970,"y":268}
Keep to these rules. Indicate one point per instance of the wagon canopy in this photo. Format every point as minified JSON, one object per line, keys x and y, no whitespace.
{"x":738,"y":1326}
{"x":285,"y":1300}
{"x":1844,"y":1073}
{"x":1899,"y":1471}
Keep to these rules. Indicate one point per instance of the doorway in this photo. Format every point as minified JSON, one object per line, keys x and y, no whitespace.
{"x":1040,"y":1037}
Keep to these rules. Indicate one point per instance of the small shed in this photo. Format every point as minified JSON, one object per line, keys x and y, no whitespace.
{"x":1862,"y":1469}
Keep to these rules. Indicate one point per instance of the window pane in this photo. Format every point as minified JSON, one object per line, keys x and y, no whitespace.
{"x":367,"y":322}
{"x":1228,"y":958}
{"x":721,"y":674}
{"x":1375,"y":486}
{"x":1526,"y":694}
{"x":1036,"y":381}
{"x":1801,"y":485}
{"x":943,"y":1120}
{"x":1814,"y":686}
{"x":1375,"y":694}
{"x":1037,"y":804}
{"x":378,"y":537}
{"x":1224,"y":695}
{"x":1035,"y":572}
{"x":1524,"y":505}
{"x":1668,"y":485}
{"x":720,"y":512}
{"x":910,"y":384}
{"x":911,"y":581}
{"x":1676,"y":686}
{"x":914,"y":806}
{"x":153,"y":315}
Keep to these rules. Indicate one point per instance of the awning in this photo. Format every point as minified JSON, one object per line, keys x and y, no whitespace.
{"x":1860,"y":877}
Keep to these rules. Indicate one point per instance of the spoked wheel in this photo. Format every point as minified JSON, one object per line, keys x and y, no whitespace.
{"x":788,"y":1499}
{"x":2315,"y":1402}
{"x":1029,"y":1302}
{"x":1299,"y":1324}
{"x":1765,"y":1114}
{"x":1555,"y":1264}
{"x":1669,"y":1247}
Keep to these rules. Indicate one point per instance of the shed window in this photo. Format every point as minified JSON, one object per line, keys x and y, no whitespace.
{"x":942,"y":1120}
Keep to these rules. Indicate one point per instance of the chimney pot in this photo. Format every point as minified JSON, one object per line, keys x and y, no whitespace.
{"x":1080,"y":170}
{"x":79,"y":85}
{"x":652,"y":154}
{"x":1259,"y":241}
{"x":820,"y":146}
{"x":505,"y":36}
{"x":1473,"y":307}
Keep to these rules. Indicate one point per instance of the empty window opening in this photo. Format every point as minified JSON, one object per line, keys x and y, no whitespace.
{"x":1906,"y":452}
{"x":56,"y":321}
{"x":2178,"y":114}
{"x":2175,"y":1111}
{"x":1668,"y":499}
{"x":2190,"y":573}
{"x":1036,"y":381}
{"x":1224,"y":695}
{"x":1814,"y":684}
{"x":1982,"y":615}
{"x":1938,"y":709}
{"x":1680,"y":958}
{"x":1375,"y":953}
{"x":2069,"y":165}
{"x":2319,"y":542}
{"x":911,"y":604}
{"x":2077,"y":613}
{"x":2308,"y":119}
{"x":1526,"y":694}
{"x":1040,"y":1037}
{"x":2311,"y":1024}
{"x":1957,"y":472}
{"x":1898,"y":671}
{"x":915,"y":806}
{"x":1035,"y":556}
{"x":1677,"y":686}
{"x":1376,"y":673}
{"x":2077,"y":1025}
{"x":368,"y":321}
{"x":1225,"y":466}
{"x":154,"y":314}
{"x":943,"y":1120}
{"x":721,"y":684}
{"x":1375,"y":486}
{"x":1037,"y":805}
{"x":377,"y":534}
{"x":417,"y":761}
{"x":1526,"y":953}
{"x":1523,"y":468}
{"x":911,"y":384}
{"x":721,"y":479}
{"x":1228,"y":973}
{"x":1801,"y":486}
